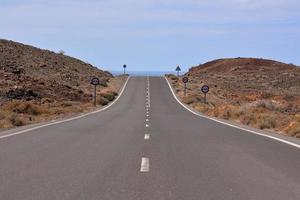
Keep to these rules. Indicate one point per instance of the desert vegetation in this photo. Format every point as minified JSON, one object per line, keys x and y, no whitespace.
{"x":38,"y":85}
{"x":260,"y":93}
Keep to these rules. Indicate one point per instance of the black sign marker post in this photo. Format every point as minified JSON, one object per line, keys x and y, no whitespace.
{"x":205,"y":90}
{"x":95,"y":81}
{"x":178,"y":69}
{"x":185,"y":80}
{"x":124,"y":67}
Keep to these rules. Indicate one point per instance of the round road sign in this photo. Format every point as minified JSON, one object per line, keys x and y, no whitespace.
{"x":205,"y":89}
{"x":185,"y":79}
{"x":95,"y":81}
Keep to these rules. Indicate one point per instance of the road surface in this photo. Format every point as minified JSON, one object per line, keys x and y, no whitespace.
{"x":146,"y":147}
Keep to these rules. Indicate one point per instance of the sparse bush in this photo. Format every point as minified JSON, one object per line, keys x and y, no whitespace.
{"x":266,"y":104}
{"x":58,"y":111}
{"x":227,"y":112}
{"x":189,"y":100}
{"x":204,"y":108}
{"x":16,"y":120}
{"x":110,"y":96}
{"x":2,"y":115}
{"x":66,"y":104}
{"x":266,"y":121}
{"x":172,"y":77}
{"x":62,"y":52}
{"x":293,"y":129}
{"x":104,"y":83}
{"x":25,"y":108}
{"x":103,"y":101}
{"x":289,"y":97}
{"x":267,"y":95}
{"x":297,"y":118}
{"x":249,"y":118}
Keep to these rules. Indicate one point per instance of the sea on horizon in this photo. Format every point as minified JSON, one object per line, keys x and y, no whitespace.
{"x":144,"y":73}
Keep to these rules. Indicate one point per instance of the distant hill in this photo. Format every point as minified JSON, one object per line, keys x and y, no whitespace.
{"x":250,"y":74}
{"x":242,"y":64}
{"x":31,"y":73}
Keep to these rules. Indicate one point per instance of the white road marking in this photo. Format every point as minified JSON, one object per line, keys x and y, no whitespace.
{"x":147,"y":120}
{"x":147,"y":136}
{"x":67,"y":120}
{"x":148,"y":91}
{"x":145,"y":165}
{"x":231,"y":125}
{"x":147,"y":115}
{"x":147,"y":125}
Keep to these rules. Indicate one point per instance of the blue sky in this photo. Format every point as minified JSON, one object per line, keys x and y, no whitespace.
{"x":156,"y":35}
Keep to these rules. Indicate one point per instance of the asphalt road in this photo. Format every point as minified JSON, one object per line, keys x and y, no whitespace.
{"x":123,"y":153}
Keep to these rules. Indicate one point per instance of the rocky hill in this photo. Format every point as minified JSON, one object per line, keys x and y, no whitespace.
{"x":38,"y":84}
{"x":28,"y":73}
{"x":250,"y":74}
{"x":256,"y":92}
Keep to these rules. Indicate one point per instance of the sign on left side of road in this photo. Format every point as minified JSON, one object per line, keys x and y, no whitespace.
{"x":95,"y":81}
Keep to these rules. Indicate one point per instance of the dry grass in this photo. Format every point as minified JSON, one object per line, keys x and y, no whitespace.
{"x":19,"y":112}
{"x":263,"y":110}
{"x":294,"y":129}
{"x":21,"y":107}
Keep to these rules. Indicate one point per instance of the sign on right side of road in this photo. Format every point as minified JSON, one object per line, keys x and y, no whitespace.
{"x":205,"y":90}
{"x":185,"y":79}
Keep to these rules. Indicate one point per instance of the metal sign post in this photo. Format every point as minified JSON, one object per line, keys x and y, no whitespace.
{"x":95,"y":81}
{"x":185,"y":80}
{"x":124,"y":67}
{"x":205,"y":90}
{"x":178,"y":69}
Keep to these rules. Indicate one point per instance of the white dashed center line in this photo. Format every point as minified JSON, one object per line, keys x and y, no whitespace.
{"x":147,"y":136}
{"x":145,"y":165}
{"x":145,"y":161}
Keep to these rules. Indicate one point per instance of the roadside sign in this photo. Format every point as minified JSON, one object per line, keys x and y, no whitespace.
{"x":95,"y":81}
{"x":185,"y":79}
{"x":124,"y":66}
{"x":205,"y":89}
